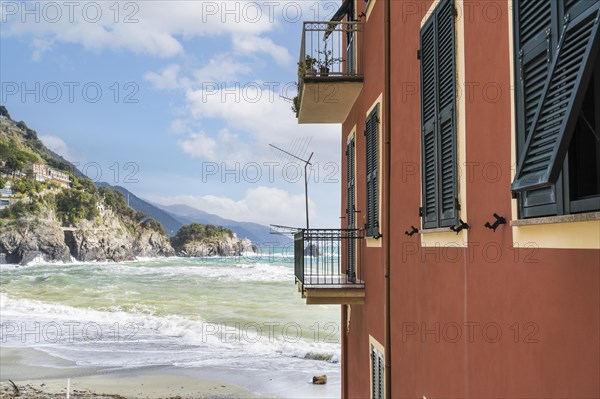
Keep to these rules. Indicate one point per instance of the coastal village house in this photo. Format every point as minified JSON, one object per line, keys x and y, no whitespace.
{"x":41,"y":173}
{"x":469,"y":254}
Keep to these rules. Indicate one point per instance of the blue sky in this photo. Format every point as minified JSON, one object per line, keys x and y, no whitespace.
{"x":175,"y":100}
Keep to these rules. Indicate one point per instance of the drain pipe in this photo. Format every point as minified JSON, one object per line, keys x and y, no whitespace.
{"x":387,"y":196}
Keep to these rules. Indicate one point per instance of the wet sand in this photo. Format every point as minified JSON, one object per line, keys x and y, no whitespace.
{"x":39,"y":375}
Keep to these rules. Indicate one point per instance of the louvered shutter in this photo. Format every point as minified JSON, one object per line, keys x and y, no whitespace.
{"x":446,"y":64}
{"x":372,"y":148}
{"x":551,"y":127}
{"x":381,"y":374}
{"x":535,"y":39}
{"x":350,"y":209}
{"x":438,"y":121}
{"x":377,"y":374}
{"x":428,"y":122}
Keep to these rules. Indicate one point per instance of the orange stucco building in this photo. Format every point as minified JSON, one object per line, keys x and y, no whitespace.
{"x":455,"y":115}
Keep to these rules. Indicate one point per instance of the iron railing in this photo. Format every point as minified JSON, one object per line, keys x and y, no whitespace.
{"x":318,"y":255}
{"x":330,"y":49}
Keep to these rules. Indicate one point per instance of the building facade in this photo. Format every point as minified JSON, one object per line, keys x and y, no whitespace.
{"x":470,"y":248}
{"x":41,"y":173}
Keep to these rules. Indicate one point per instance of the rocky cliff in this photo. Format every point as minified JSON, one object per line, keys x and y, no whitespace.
{"x":105,"y":238}
{"x":27,"y":240}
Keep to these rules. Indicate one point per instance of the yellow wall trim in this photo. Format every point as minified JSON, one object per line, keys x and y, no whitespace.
{"x":369,"y":8}
{"x":575,"y":235}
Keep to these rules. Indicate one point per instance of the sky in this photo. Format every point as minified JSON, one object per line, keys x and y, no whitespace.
{"x":177,"y":101}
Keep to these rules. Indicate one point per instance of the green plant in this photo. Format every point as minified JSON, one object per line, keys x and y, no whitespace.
{"x":306,"y":65}
{"x":328,"y":60}
{"x":73,"y":205}
{"x":296,"y":105}
{"x":4,"y":112}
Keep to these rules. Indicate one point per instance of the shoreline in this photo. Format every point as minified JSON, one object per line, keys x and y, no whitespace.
{"x":251,"y":256}
{"x":40,"y":375}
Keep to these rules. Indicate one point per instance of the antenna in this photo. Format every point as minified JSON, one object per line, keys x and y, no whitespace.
{"x":306,"y":163}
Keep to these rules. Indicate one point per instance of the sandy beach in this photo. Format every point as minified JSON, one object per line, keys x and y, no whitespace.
{"x":39,"y":375}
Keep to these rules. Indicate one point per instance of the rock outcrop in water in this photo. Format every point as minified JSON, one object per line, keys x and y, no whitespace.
{"x":198,"y":240}
{"x":229,"y":246}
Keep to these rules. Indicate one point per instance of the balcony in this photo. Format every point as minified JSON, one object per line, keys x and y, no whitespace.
{"x":330,"y":75}
{"x":318,"y":266}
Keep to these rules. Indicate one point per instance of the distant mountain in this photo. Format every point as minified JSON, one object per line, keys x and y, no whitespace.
{"x":256,"y":233}
{"x":173,"y":217}
{"x":170,"y":224}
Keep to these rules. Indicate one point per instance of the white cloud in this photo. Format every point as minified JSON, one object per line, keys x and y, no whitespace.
{"x":221,"y":68}
{"x":142,"y":27}
{"x":40,"y":46}
{"x":218,"y":71}
{"x":167,"y":79}
{"x":264,"y":205}
{"x":223,"y":147}
{"x":179,"y":126}
{"x":252,"y":44}
{"x":199,"y":145}
{"x":57,"y":145}
{"x":263,"y":117}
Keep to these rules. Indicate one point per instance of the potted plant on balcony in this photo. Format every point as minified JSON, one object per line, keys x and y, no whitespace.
{"x":307,"y":66}
{"x":327,"y":62}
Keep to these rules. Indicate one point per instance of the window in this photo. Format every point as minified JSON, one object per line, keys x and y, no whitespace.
{"x":351,"y":210}
{"x":558,"y":107}
{"x":438,"y":118}
{"x":377,"y":374}
{"x":372,"y":138}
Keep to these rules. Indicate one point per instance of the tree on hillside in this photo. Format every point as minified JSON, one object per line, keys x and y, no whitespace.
{"x":73,"y":205}
{"x":14,"y":163}
{"x":4,"y":112}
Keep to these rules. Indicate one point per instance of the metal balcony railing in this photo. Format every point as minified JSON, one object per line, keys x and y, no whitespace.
{"x":318,"y":257}
{"x":329,"y":49}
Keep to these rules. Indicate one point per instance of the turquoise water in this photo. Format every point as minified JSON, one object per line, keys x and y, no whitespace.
{"x":234,"y":313}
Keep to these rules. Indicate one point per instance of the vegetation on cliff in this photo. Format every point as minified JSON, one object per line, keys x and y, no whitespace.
{"x":199,"y":232}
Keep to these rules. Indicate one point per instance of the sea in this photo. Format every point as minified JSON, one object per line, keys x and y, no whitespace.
{"x":241,"y":317}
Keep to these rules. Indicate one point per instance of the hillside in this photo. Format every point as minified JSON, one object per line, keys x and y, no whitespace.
{"x":170,"y":223}
{"x":50,"y":212}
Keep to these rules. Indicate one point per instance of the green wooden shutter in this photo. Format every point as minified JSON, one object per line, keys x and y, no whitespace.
{"x":350,"y":210}
{"x":536,"y":37}
{"x":446,"y":70}
{"x":372,"y":147}
{"x":552,"y":125}
{"x":438,"y":120}
{"x":428,"y":122}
